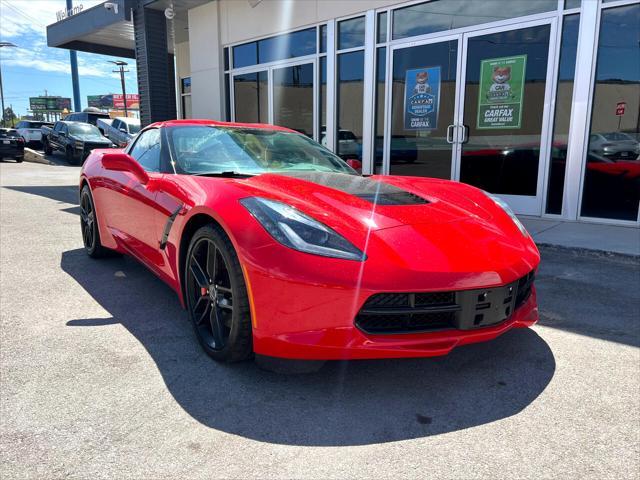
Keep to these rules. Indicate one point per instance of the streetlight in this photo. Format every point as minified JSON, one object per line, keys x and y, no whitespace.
{"x":3,"y":44}
{"x":122,"y":71}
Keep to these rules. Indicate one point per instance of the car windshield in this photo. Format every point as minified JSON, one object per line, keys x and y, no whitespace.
{"x":617,"y":136}
{"x":133,"y":128}
{"x":34,"y":124}
{"x":210,"y":150}
{"x":84,"y":129}
{"x":8,"y":133}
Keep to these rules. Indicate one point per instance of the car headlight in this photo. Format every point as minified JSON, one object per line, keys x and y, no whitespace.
{"x":502,"y":204}
{"x":296,"y":230}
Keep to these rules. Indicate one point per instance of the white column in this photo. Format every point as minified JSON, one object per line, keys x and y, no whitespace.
{"x":368,"y":133}
{"x":580,"y":113}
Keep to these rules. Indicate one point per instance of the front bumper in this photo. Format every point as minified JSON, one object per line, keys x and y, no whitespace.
{"x":315,"y":320}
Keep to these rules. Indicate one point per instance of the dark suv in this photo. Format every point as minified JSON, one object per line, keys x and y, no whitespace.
{"x":87,"y":117}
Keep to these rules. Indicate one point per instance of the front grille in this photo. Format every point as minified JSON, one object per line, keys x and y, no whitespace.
{"x":430,"y":311}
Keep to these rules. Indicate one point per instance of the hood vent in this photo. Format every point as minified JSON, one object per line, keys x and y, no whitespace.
{"x":365,"y":188}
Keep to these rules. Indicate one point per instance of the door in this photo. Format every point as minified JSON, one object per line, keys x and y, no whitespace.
{"x":133,"y":209}
{"x":421,"y":136}
{"x":504,"y":116}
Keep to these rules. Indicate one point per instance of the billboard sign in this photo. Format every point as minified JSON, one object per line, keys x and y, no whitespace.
{"x":133,"y":101}
{"x":49,"y":104}
{"x":100,"y":101}
{"x":501,"y":92}
{"x":421,"y":98}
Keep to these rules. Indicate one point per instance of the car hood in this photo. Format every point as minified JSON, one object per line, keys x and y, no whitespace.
{"x":91,"y":138}
{"x":373,"y":203}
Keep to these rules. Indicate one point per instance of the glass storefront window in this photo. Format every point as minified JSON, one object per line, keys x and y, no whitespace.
{"x":322,"y":99}
{"x":504,"y":159}
{"x":562,"y":116}
{"x":225,"y":54}
{"x":293,"y":98}
{"x":289,"y":45}
{"x":611,"y":187}
{"x":441,"y":15}
{"x":382,"y":28}
{"x":350,"y":90}
{"x":323,"y":39}
{"x":381,"y":68}
{"x":251,"y":97}
{"x":227,"y":99}
{"x":423,"y":151}
{"x":351,"y":33}
{"x":572,"y":4}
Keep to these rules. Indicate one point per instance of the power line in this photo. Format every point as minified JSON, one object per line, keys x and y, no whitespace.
{"x":23,"y":14}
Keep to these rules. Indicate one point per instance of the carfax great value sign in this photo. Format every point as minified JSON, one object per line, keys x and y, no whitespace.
{"x":421,"y":98}
{"x":501,"y":91}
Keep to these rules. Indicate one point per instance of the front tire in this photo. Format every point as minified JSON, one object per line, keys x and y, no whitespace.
{"x":216,"y":296}
{"x":89,"y":225}
{"x":69,"y":155}
{"x":46,"y":146}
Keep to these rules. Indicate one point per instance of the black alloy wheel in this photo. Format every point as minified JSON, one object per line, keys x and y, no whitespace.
{"x":216,"y":296}
{"x":89,"y":225}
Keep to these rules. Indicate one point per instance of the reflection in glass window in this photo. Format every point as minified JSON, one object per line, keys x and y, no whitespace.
{"x":245,"y":55}
{"x":225,"y":54}
{"x":323,"y":39}
{"x":440,"y":15}
{"x":289,"y":45}
{"x":322,"y":99}
{"x":612,"y":174}
{"x":572,"y":4}
{"x":227,"y":99}
{"x":350,"y":83}
{"x":351,"y":33}
{"x":251,"y":97}
{"x":382,"y":27}
{"x":381,"y":69}
{"x":293,"y":98}
{"x":564,"y":96}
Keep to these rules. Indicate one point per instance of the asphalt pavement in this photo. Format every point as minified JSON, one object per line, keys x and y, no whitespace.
{"x":101,"y":376}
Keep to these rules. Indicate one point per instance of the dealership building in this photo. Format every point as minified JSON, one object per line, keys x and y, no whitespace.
{"x":537,"y":101}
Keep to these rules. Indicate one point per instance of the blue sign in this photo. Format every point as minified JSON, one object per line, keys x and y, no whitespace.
{"x":421,"y":98}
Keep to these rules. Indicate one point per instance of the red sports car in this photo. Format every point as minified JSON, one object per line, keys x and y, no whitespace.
{"x":278,"y":247}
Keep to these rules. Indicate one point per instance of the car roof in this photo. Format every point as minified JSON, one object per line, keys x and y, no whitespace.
{"x":214,"y":123}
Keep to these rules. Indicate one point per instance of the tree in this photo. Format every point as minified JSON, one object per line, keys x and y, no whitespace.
{"x":9,"y":117}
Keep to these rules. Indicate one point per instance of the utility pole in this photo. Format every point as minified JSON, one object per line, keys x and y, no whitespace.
{"x":75,"y":81}
{"x":122,"y":71}
{"x":3,"y":44}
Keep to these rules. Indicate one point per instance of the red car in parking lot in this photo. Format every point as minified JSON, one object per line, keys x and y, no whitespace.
{"x":277,"y":247}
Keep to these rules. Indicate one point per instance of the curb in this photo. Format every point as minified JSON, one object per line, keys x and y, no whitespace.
{"x":590,"y":252}
{"x":35,"y":157}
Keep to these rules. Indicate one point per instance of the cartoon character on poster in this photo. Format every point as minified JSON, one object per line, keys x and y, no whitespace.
{"x":421,"y":98}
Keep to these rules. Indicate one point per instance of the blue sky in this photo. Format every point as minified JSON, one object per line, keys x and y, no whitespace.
{"x":33,"y":67}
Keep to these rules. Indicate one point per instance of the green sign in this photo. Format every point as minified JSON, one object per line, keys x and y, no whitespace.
{"x":49,"y":104}
{"x":501,"y":92}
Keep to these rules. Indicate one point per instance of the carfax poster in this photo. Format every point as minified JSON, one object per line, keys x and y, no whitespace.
{"x":501,"y":92}
{"x":421,"y":98}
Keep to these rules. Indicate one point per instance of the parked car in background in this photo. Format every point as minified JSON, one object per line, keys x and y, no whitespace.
{"x":75,"y":139}
{"x":31,"y":131}
{"x":615,"y":145}
{"x":348,"y":144}
{"x":11,"y":144}
{"x":87,"y":117}
{"x":121,"y":130}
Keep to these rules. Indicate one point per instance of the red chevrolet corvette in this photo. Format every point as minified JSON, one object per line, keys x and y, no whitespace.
{"x":277,"y":247}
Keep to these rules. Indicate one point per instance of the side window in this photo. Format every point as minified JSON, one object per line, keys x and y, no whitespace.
{"x":64,"y":129}
{"x":57,"y":126}
{"x":20,"y":125}
{"x":147,"y":150}
{"x":116,"y":124}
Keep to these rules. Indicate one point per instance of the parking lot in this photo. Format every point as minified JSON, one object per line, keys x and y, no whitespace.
{"x":101,"y":376}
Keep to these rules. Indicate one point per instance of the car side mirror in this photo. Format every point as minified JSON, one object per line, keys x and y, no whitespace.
{"x":121,"y":162}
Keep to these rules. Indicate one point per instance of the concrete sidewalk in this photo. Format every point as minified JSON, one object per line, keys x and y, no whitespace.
{"x":586,"y":236}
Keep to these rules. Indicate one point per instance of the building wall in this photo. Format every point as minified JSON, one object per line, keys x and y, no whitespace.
{"x":239,"y":21}
{"x":207,"y":69}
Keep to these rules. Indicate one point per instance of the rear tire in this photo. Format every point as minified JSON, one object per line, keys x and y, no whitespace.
{"x":216,"y":296}
{"x":89,"y":225}
{"x":19,"y":159}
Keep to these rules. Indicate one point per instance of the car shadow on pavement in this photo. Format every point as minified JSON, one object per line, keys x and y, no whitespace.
{"x":345,"y":403}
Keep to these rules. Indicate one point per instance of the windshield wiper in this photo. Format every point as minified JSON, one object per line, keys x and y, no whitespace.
{"x":227,"y":174}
